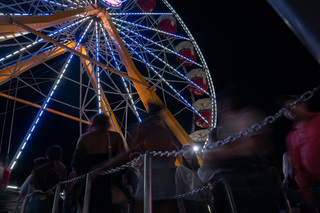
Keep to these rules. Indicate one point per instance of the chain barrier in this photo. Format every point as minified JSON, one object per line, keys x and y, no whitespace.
{"x":197,"y":190}
{"x":254,"y":128}
{"x":268,"y":120}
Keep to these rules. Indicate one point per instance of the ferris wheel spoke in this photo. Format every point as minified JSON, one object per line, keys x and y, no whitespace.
{"x":164,"y":62}
{"x":103,"y":78}
{"x":159,"y":45}
{"x":45,"y":103}
{"x":31,"y":45}
{"x":134,"y":108}
{"x":25,"y":63}
{"x":170,"y":86}
{"x":149,"y":28}
{"x":139,"y":14}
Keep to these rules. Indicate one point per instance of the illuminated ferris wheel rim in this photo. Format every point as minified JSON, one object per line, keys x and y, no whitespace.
{"x":112,"y":3}
{"x":115,"y":17}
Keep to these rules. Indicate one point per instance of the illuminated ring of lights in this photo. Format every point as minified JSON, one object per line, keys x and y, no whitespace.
{"x":153,"y":54}
{"x":112,"y":3}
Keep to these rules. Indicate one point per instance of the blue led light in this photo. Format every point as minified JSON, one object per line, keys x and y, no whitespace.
{"x":48,"y":98}
{"x":29,"y":135}
{"x":164,"y":62}
{"x":50,"y":35}
{"x":139,"y":14}
{"x":149,"y":28}
{"x":98,"y":68}
{"x":122,"y":78}
{"x":24,"y":145}
{"x":176,"y":92}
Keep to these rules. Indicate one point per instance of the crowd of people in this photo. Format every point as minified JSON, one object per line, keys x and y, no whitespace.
{"x":239,"y":176}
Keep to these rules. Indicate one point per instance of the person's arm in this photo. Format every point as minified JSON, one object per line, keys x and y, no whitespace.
{"x":115,"y":161}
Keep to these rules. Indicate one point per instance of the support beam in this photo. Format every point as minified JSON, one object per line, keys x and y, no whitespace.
{"x":77,"y":53}
{"x":105,"y":106}
{"x":146,"y":95}
{"x":7,"y":73}
{"x":7,"y":30}
{"x":39,"y":106}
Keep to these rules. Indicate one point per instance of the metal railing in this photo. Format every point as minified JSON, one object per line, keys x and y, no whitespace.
{"x":148,"y":167}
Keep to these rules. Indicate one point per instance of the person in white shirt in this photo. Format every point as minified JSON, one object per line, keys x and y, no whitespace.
{"x":187,"y":180}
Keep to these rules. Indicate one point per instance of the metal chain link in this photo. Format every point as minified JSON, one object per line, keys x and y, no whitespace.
{"x":255,"y":127}
{"x":196,"y":191}
{"x":268,"y":120}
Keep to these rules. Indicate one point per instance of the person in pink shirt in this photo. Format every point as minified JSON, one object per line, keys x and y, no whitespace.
{"x":303,"y":143}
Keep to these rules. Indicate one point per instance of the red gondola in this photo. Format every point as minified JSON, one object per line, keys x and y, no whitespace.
{"x":146,"y":5}
{"x":203,"y":106}
{"x":168,"y":24}
{"x":198,"y":76}
{"x":186,"y":49}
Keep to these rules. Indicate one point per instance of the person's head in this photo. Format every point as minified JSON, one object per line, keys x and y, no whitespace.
{"x":54,"y":153}
{"x":189,"y":157}
{"x":154,"y":109}
{"x":99,"y":122}
{"x":296,"y":114}
{"x":154,"y":113}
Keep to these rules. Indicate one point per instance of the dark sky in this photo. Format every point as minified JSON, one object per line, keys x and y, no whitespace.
{"x":247,"y":43}
{"x":244,"y":42}
{"x":247,"y":40}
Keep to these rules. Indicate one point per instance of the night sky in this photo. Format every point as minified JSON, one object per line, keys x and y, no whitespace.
{"x":243,"y":42}
{"x":247,"y":43}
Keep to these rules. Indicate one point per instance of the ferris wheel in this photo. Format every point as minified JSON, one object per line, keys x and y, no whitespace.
{"x":76,"y":58}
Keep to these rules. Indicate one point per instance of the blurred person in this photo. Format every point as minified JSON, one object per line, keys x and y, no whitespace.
{"x":153,"y":135}
{"x":303,"y":143}
{"x":187,"y":180}
{"x":242,"y":167}
{"x":47,"y":172}
{"x":25,"y":188}
{"x":245,"y":178}
{"x":97,"y":145}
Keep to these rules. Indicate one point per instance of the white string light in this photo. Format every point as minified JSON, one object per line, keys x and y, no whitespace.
{"x":122,"y":78}
{"x":98,"y":68}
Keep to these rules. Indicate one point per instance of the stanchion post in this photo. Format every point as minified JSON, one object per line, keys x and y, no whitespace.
{"x":17,"y":207}
{"x":56,"y":199}
{"x":230,"y":195}
{"x":87,"y":194}
{"x":25,"y":203}
{"x":147,"y":183}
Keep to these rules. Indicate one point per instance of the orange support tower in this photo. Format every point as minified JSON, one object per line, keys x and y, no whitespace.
{"x":9,"y":26}
{"x":147,"y":94}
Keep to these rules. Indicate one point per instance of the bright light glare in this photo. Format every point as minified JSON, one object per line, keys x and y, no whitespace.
{"x":12,"y":187}
{"x":195,"y":148}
